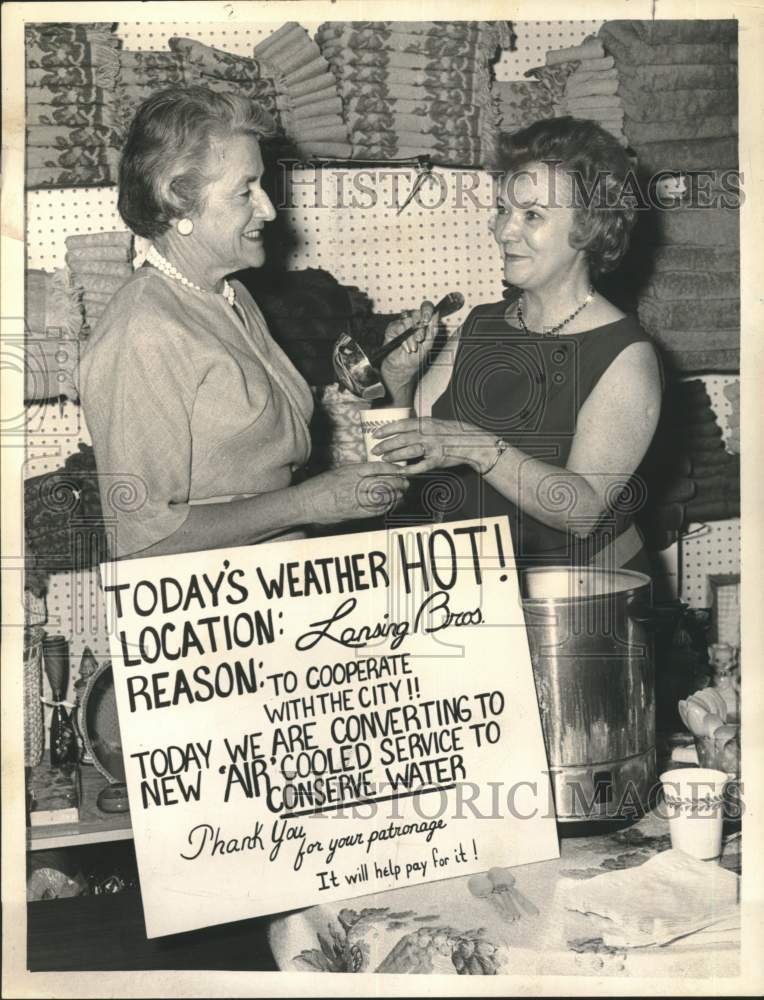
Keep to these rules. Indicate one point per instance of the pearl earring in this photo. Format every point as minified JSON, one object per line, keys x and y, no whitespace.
{"x":185,"y":227}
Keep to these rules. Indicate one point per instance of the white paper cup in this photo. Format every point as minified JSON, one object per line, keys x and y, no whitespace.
{"x":371,"y":420}
{"x":694,"y":802}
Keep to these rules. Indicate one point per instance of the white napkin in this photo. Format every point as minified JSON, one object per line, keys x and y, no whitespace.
{"x":668,"y":897}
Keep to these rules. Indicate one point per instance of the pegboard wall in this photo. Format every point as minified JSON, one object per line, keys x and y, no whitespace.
{"x":439,"y":243}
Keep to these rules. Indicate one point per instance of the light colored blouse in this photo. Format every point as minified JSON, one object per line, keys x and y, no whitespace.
{"x":187,"y":400}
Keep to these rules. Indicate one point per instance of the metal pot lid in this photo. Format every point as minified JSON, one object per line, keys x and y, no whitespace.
{"x":577,"y":583}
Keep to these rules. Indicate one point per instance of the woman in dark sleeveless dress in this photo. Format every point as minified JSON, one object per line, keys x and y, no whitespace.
{"x":545,"y":408}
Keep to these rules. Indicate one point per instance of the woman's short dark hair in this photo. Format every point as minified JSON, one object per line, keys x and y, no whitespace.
{"x":162,"y":171}
{"x":598,"y":166}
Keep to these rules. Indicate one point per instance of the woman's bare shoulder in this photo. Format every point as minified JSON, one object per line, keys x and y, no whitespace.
{"x":601,"y":312}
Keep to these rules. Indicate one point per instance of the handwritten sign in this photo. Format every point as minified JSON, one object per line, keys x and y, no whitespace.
{"x":315,"y":720}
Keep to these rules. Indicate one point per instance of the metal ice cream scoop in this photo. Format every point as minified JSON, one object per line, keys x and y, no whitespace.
{"x":358,"y":372}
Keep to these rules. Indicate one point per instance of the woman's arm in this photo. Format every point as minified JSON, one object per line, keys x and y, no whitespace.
{"x":614,"y":429}
{"x":348,"y":493}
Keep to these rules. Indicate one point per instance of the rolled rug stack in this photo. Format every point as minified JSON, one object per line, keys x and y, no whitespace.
{"x":72,"y":121}
{"x":310,"y":108}
{"x":99,"y":263}
{"x":417,"y":88}
{"x":678,"y":83}
{"x":591,"y":89}
{"x":228,"y":73}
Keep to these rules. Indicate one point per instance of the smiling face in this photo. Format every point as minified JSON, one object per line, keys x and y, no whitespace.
{"x":532,"y":226}
{"x":228,"y":232}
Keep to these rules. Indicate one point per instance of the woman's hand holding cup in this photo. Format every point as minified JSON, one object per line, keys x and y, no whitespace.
{"x":352,"y":492}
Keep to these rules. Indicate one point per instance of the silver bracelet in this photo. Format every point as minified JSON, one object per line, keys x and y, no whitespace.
{"x":501,"y":446}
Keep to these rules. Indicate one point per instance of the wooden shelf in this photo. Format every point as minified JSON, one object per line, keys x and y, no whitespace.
{"x":93,"y":827}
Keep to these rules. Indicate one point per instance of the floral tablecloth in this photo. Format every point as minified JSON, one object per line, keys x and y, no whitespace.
{"x":450,"y":927}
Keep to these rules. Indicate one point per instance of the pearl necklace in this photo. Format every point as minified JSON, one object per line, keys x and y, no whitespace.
{"x":155,"y":258}
{"x":554,"y":329}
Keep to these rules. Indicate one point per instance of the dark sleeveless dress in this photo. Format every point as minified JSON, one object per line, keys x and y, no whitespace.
{"x":529,"y":390}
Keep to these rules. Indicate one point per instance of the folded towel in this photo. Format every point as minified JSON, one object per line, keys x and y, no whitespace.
{"x":689,"y":154}
{"x":67,"y":136}
{"x":673,"y":32}
{"x":701,"y":351}
{"x":99,"y":284}
{"x":690,"y":77}
{"x":679,"y":258}
{"x":701,"y":127}
{"x":675,"y":285}
{"x":281,"y":36}
{"x":593,"y":101}
{"x":344,"y":59}
{"x":669,"y":896}
{"x":314,"y":97}
{"x":659,"y":107}
{"x":83,"y":176}
{"x":590,"y":48}
{"x":453,"y":29}
{"x":433,"y":78}
{"x":41,"y":156}
{"x":580,"y":75}
{"x":85,"y":267}
{"x":350,"y":90}
{"x":61,"y":76}
{"x":332,"y":150}
{"x":82,"y":242}
{"x":97,"y":50}
{"x":711,"y":314}
{"x":433,"y":45}
{"x":622,"y":40}
{"x":590,"y":87}
{"x":73,"y":116}
{"x":700,"y":227}
{"x":65,"y":97}
{"x":159,"y":77}
{"x":224,"y":65}
{"x":596,"y":65}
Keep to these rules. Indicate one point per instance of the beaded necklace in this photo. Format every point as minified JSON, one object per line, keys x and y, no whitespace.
{"x":554,"y":329}
{"x":155,"y":258}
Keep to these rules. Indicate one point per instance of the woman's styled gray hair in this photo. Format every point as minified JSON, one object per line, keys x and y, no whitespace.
{"x":162,"y":171}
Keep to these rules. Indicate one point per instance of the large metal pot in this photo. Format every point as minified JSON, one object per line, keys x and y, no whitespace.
{"x":590,"y":644}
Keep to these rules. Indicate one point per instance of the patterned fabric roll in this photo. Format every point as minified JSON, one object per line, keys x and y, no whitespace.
{"x":702,"y":127}
{"x":451,"y":29}
{"x":76,"y":156}
{"x":62,"y":96}
{"x":75,"y":117}
{"x":351,"y":89}
{"x":457,"y":127}
{"x":214,"y":62}
{"x":403,"y":60}
{"x":662,"y":78}
{"x":665,"y":106}
{"x":65,"y":137}
{"x":82,"y":176}
{"x":432,"y":45}
{"x":157,"y":77}
{"x":52,"y":55}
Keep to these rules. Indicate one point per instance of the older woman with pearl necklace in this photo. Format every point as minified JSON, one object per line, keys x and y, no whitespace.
{"x":199,"y":421}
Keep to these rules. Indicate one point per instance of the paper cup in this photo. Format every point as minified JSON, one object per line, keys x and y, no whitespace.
{"x":371,"y":420}
{"x":694,"y":799}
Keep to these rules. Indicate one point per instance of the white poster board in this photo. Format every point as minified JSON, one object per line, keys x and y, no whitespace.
{"x":309,"y":721}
